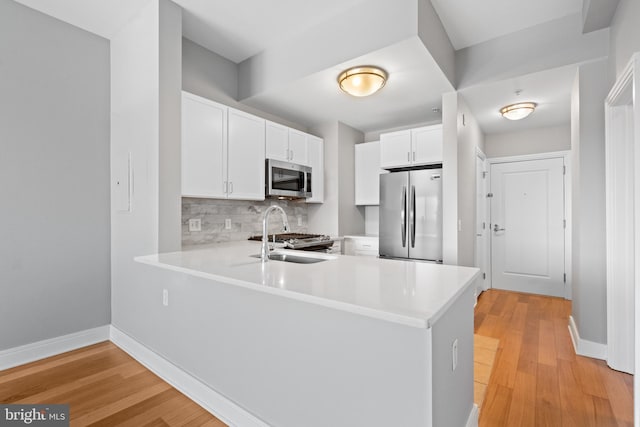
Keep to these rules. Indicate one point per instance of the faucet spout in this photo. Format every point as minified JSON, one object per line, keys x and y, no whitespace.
{"x":264,"y":253}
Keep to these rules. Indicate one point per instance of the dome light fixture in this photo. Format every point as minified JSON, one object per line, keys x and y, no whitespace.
{"x":362,"y":81}
{"x":518,"y":111}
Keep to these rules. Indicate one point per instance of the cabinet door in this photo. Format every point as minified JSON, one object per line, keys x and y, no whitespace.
{"x":298,"y":147}
{"x":427,"y":145}
{"x":246,"y":156}
{"x":395,"y":149}
{"x":204,"y":134}
{"x":315,"y":147}
{"x":277,"y":141}
{"x":368,"y":173}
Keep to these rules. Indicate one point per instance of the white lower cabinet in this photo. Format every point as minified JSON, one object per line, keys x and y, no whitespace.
{"x":361,"y":245}
{"x":223,"y":151}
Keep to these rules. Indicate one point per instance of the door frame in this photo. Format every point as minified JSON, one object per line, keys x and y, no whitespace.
{"x":622,"y":135}
{"x":566,"y":156}
{"x":486,"y":268}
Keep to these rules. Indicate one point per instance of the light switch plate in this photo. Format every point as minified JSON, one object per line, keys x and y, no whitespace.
{"x":227,"y":224}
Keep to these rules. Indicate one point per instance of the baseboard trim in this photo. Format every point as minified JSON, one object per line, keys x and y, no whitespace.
{"x":51,"y":347}
{"x":472,"y":421}
{"x":584,"y":347}
{"x":223,"y":408}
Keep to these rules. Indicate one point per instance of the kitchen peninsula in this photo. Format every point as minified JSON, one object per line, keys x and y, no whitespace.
{"x":348,"y":341}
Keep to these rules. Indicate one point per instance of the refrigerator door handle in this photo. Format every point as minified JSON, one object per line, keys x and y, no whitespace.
{"x":412,"y":216}
{"x":403,"y":217}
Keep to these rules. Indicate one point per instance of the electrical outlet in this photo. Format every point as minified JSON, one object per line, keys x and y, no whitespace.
{"x":454,"y":354}
{"x":299,"y":220}
{"x":195,"y":224}
{"x":227,"y":224}
{"x":165,"y":297}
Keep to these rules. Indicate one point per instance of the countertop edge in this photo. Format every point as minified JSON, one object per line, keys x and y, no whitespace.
{"x":414,"y":322}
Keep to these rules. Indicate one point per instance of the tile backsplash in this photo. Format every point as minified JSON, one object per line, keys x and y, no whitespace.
{"x":245,"y":216}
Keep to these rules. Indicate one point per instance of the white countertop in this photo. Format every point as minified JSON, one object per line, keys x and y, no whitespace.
{"x":410,"y":293}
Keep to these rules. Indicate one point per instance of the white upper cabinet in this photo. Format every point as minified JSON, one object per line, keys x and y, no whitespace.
{"x":413,"y":147}
{"x":427,"y":145}
{"x":298,"y":147}
{"x":204,"y":138}
{"x":223,"y":151}
{"x":395,"y":149}
{"x":315,"y":147}
{"x":367,"y":168}
{"x":286,"y":144}
{"x":277,"y":141}
{"x":246,"y":151}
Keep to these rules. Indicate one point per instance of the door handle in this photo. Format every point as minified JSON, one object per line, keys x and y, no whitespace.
{"x":496,"y":229}
{"x":412,"y":216}
{"x":403,"y":217}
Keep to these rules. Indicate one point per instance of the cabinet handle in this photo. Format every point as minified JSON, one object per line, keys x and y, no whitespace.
{"x":291,"y":152}
{"x":230,"y":187}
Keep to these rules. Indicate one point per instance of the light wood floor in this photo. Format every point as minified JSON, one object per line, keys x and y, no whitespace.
{"x":104,"y":387}
{"x":537,"y":379}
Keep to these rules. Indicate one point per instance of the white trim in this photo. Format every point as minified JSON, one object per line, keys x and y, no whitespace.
{"x":223,"y":408}
{"x":566,"y":156}
{"x":472,"y":421}
{"x":584,"y":347}
{"x":52,"y":347}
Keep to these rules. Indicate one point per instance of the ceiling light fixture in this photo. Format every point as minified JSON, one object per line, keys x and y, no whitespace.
{"x":362,"y":81}
{"x":518,"y":111}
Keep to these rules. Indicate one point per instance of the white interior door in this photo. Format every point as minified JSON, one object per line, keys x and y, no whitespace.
{"x":527,"y":226}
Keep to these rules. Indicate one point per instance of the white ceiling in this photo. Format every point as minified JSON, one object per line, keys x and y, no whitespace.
{"x":470,"y":22}
{"x":550,"y":89}
{"x":239,"y":29}
{"x":414,"y":88}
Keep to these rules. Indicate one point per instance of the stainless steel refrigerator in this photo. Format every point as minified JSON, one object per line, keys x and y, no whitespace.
{"x":411,"y":215}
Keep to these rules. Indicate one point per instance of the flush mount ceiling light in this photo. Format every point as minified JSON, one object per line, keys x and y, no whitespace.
{"x":362,"y":81}
{"x":518,"y":111}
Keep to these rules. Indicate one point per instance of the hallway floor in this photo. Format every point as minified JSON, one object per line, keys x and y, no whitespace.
{"x":537,"y":379}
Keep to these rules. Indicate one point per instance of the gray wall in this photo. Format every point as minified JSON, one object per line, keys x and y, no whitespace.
{"x":624,"y":36}
{"x":589,"y":306}
{"x":530,"y":141}
{"x":462,"y":137}
{"x":338,"y":215}
{"x":207,"y":74}
{"x":470,"y":139}
{"x":54,"y":169}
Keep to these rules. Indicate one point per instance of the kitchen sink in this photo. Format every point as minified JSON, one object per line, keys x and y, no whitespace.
{"x":298,"y":259}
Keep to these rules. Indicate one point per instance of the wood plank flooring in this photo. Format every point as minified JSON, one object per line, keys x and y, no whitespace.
{"x":104,"y":387}
{"x":537,"y":379}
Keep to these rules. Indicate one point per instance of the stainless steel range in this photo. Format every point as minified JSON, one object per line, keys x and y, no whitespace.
{"x":301,"y":241}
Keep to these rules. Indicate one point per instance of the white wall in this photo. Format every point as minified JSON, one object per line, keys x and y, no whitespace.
{"x":145,"y":102}
{"x":54,"y":169}
{"x":350,"y":216}
{"x":625,"y":36}
{"x":588,"y":202}
{"x":529,"y":141}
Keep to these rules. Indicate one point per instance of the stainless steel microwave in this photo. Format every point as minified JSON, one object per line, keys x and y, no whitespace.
{"x":287,"y":180}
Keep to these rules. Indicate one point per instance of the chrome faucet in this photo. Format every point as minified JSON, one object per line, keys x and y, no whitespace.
{"x":264,"y":254}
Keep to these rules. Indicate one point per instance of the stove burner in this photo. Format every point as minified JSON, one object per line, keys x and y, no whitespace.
{"x":302,"y":241}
